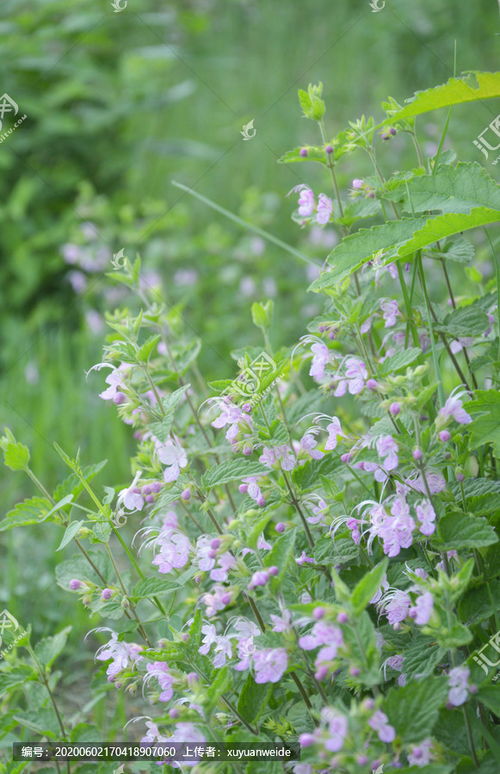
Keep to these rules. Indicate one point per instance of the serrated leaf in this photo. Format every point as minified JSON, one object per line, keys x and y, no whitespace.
{"x":144,"y":351}
{"x":253,"y":698}
{"x":32,"y":511}
{"x":48,"y":649}
{"x":476,"y":605}
{"x":73,"y":485}
{"x":70,"y":532}
{"x":398,"y":361}
{"x":368,"y":587}
{"x":16,"y":455}
{"x":421,"y":657}
{"x":307,"y":476}
{"x":150,"y":587}
{"x":397,"y":239}
{"x":413,"y":709}
{"x":460,"y":188}
{"x":231,"y":471}
{"x":360,"y":642}
{"x":465,"y":321}
{"x":485,"y":426}
{"x":490,"y":696}
{"x":467,"y":88}
{"x":457,"y":530}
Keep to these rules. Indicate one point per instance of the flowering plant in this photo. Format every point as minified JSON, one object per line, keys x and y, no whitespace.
{"x":307,"y":551}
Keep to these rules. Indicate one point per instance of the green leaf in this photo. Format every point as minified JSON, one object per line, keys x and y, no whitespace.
{"x":465,"y":321}
{"x":457,"y":530}
{"x":490,"y":696}
{"x":476,"y":605}
{"x":144,"y":352}
{"x":485,"y":427}
{"x":413,"y":709}
{"x":280,"y":555}
{"x":170,"y":404}
{"x":231,"y":471}
{"x":421,"y":657}
{"x":314,"y":153}
{"x":32,"y":511}
{"x":70,"y":532}
{"x":262,"y":314}
{"x":396,"y":239}
{"x":220,"y":683}
{"x":398,"y":361}
{"x":253,"y":699}
{"x":467,"y":88}
{"x":78,"y":567}
{"x":368,"y":587}
{"x":48,"y":649}
{"x":73,"y":485}
{"x":361,"y":645}
{"x":16,"y":455}
{"x":150,"y":587}
{"x":455,"y":636}
{"x":452,"y":189}
{"x":307,"y":476}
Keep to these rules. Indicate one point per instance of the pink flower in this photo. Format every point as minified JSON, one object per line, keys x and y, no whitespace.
{"x":426,"y":516}
{"x":252,"y":489}
{"x":453,"y":408}
{"x":324,"y":210}
{"x":174,"y":550}
{"x":216,"y":600}
{"x":423,"y":608}
{"x":334,"y":433}
{"x":174,"y":457}
{"x":231,"y":415}
{"x":320,"y":359}
{"x":270,"y":664}
{"x":278,"y":455}
{"x":388,"y":449}
{"x":380,"y":723}
{"x":396,"y":606}
{"x":114,"y":380}
{"x":159,"y":670}
{"x":458,"y":682}
{"x":390,"y":312}
{"x":131,"y":497}
{"x":308,"y":444}
{"x":337,"y":729}
{"x":121,"y":653}
{"x":420,"y":754}
{"x":282,"y":623}
{"x":223,"y":646}
{"x":354,"y":379}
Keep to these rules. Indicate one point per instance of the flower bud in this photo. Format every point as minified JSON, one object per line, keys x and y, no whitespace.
{"x":273,"y":570}
{"x":75,"y":584}
{"x":318,"y":613}
{"x":186,"y":494}
{"x":303,"y":152}
{"x":306,"y":740}
{"x":119,"y":398}
{"x":106,"y":593}
{"x":444,"y":435}
{"x":321,"y":672}
{"x":280,"y":527}
{"x":173,"y":713}
{"x":342,"y":617}
{"x":395,"y":408}
{"x":417,"y":454}
{"x":357,"y":183}
{"x":329,"y":149}
{"x":215,"y":543}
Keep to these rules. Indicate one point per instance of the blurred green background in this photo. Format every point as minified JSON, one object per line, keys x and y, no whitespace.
{"x":118,"y":105}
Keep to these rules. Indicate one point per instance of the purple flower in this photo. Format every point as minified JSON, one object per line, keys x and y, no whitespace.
{"x":174,"y":550}
{"x":380,"y":723}
{"x":131,"y":497}
{"x":453,"y":408}
{"x":121,"y":653}
{"x":357,"y":183}
{"x":335,"y":432}
{"x":390,"y":312}
{"x":337,"y":729}
{"x":396,"y":606}
{"x":324,"y":210}
{"x":423,"y":608}
{"x":282,"y":623}
{"x":278,"y":455}
{"x":320,"y":359}
{"x":306,"y":201}
{"x":458,"y":683}
{"x":426,"y":516}
{"x":174,"y":457}
{"x":308,"y":444}
{"x":231,"y":415}
{"x":216,"y":600}
{"x":114,"y":380}
{"x":223,"y":646}
{"x":420,"y":754}
{"x":354,"y":379}
{"x":152,"y":734}
{"x":75,"y":584}
{"x":270,"y":664}
{"x":252,"y":489}
{"x":259,"y":578}
{"x":106,"y":594}
{"x":388,"y":449}
{"x":159,"y":670}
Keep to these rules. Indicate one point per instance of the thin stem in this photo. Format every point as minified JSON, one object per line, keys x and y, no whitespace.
{"x":299,"y":510}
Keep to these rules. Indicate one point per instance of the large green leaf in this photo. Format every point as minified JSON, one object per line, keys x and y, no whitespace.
{"x":457,"y":530}
{"x":232,"y":470}
{"x":48,"y":649}
{"x":413,"y":710}
{"x":485,"y":427}
{"x":468,"y":88}
{"x":368,"y":587}
{"x":396,"y":239}
{"x":32,"y":511}
{"x":253,"y":698}
{"x":451,"y":189}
